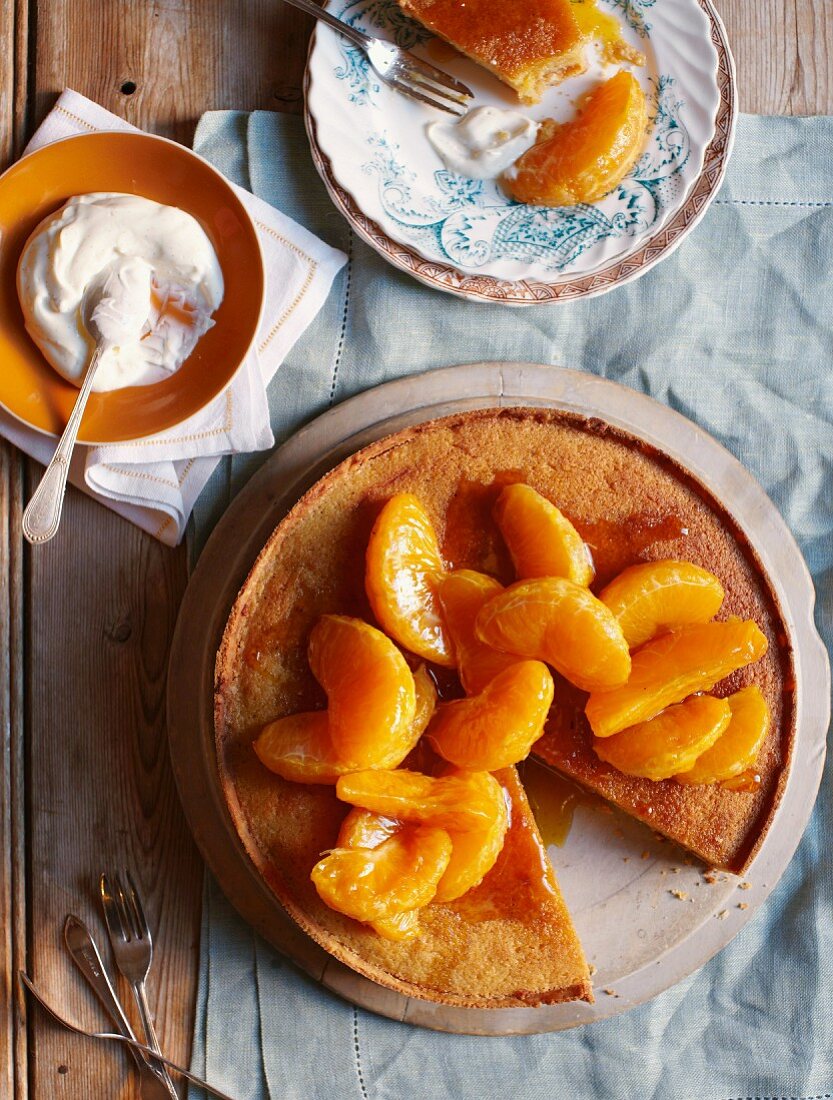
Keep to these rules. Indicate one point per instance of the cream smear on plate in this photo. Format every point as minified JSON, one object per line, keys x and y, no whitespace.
{"x":163,"y":283}
{"x":484,"y":143}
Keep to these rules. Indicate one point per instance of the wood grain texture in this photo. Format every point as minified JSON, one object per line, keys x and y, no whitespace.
{"x":101,"y":611}
{"x":183,"y":57}
{"x":85,"y":624}
{"x":13,"y":1039}
{"x":783,"y":50}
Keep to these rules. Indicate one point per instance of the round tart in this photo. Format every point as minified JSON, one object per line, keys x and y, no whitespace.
{"x":510,"y":941}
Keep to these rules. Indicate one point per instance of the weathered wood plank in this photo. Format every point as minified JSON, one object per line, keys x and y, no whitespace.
{"x":13,"y":1044}
{"x":101,"y":610}
{"x":12,"y":819}
{"x":783,"y":53}
{"x":183,"y":58}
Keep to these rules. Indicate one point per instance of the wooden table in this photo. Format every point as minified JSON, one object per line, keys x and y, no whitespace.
{"x":85,"y":623}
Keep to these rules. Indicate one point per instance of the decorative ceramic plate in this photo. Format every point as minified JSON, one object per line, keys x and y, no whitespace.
{"x":466,"y":236}
{"x":641,"y":938}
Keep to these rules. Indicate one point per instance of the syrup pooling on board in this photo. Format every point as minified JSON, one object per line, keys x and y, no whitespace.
{"x":553,"y":800}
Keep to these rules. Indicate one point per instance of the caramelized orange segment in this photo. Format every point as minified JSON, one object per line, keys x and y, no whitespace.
{"x":362,"y":829}
{"x":400,"y":875}
{"x":370,"y":689}
{"x":658,"y":596}
{"x":583,"y":159}
{"x":468,"y":800}
{"x":554,"y":620}
{"x":499,"y":726}
{"x":738,"y":746}
{"x":403,"y":567}
{"x":462,"y":594}
{"x":540,"y":538}
{"x":299,"y":747}
{"x":672,"y":667}
{"x":669,"y":743}
{"x":473,"y":851}
{"x":426,"y":703}
{"x":400,"y":928}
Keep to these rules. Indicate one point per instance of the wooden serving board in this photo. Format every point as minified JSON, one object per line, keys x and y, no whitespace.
{"x":640,"y":938}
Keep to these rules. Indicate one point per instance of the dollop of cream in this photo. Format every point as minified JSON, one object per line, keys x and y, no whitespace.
{"x":484,"y":143}
{"x":146,"y":273}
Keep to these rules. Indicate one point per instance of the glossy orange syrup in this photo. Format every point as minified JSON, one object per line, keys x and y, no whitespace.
{"x":748,"y":781}
{"x":471,"y":539}
{"x":615,"y":544}
{"x":439,"y":50}
{"x":553,"y":800}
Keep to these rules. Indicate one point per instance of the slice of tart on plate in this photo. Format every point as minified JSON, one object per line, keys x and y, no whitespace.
{"x":528,"y":45}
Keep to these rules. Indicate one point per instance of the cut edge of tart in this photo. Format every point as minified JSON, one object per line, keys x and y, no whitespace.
{"x":455,"y":441}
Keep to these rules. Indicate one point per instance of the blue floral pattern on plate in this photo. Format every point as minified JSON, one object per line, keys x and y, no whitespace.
{"x":472,"y":222}
{"x":472,"y":225}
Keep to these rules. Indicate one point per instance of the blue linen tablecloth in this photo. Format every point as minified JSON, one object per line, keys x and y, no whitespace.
{"x":735,"y":330}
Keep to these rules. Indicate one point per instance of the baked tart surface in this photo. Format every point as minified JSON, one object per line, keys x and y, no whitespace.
{"x":527,"y":45}
{"x":509,"y":941}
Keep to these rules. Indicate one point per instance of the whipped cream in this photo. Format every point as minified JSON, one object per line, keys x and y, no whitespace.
{"x":145,"y":274}
{"x":484,"y":143}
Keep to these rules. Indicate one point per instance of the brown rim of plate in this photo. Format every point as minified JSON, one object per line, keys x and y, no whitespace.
{"x":522,"y":292}
{"x":224,"y":662}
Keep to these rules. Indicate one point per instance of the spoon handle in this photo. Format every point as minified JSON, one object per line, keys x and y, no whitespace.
{"x":43,"y":512}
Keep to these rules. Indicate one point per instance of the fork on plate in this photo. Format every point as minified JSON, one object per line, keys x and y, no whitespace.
{"x":398,"y":68}
{"x":132,"y":946}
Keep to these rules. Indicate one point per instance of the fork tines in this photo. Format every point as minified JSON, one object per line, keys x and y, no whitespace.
{"x":417,"y":79}
{"x":434,"y":76}
{"x":123,"y":910}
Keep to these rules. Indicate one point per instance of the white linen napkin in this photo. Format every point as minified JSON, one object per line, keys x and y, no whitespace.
{"x":154,"y":482}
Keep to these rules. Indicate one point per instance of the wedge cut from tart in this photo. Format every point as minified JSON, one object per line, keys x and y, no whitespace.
{"x":528,"y":45}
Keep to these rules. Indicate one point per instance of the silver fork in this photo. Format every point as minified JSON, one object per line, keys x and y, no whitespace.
{"x":132,"y":949}
{"x":398,"y":68}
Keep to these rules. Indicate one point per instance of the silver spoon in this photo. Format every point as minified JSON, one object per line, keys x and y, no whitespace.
{"x":111,"y":312}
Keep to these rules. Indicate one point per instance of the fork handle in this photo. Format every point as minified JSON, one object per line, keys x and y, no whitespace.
{"x":313,"y":9}
{"x":140,"y":994}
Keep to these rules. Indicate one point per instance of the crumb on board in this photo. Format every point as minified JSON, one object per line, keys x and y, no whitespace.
{"x":681,"y":894}
{"x":645,"y":855}
{"x":610,"y":992}
{"x":591,"y":969}
{"x":626,"y":859}
{"x":675,"y":870}
{"x":710,"y":876}
{"x":743,"y":905}
{"x":745,"y":886}
{"x":723,"y":914}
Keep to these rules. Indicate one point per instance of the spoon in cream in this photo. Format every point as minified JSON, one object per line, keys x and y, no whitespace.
{"x":114,"y":310}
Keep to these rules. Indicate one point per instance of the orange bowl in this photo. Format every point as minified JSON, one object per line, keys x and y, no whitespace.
{"x":138,"y":164}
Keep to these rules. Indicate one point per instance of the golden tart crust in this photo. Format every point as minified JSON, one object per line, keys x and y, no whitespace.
{"x":510,"y":941}
{"x":528,"y":44}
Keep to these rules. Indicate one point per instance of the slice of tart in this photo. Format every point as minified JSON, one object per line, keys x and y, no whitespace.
{"x":528,"y":45}
{"x":510,"y":940}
